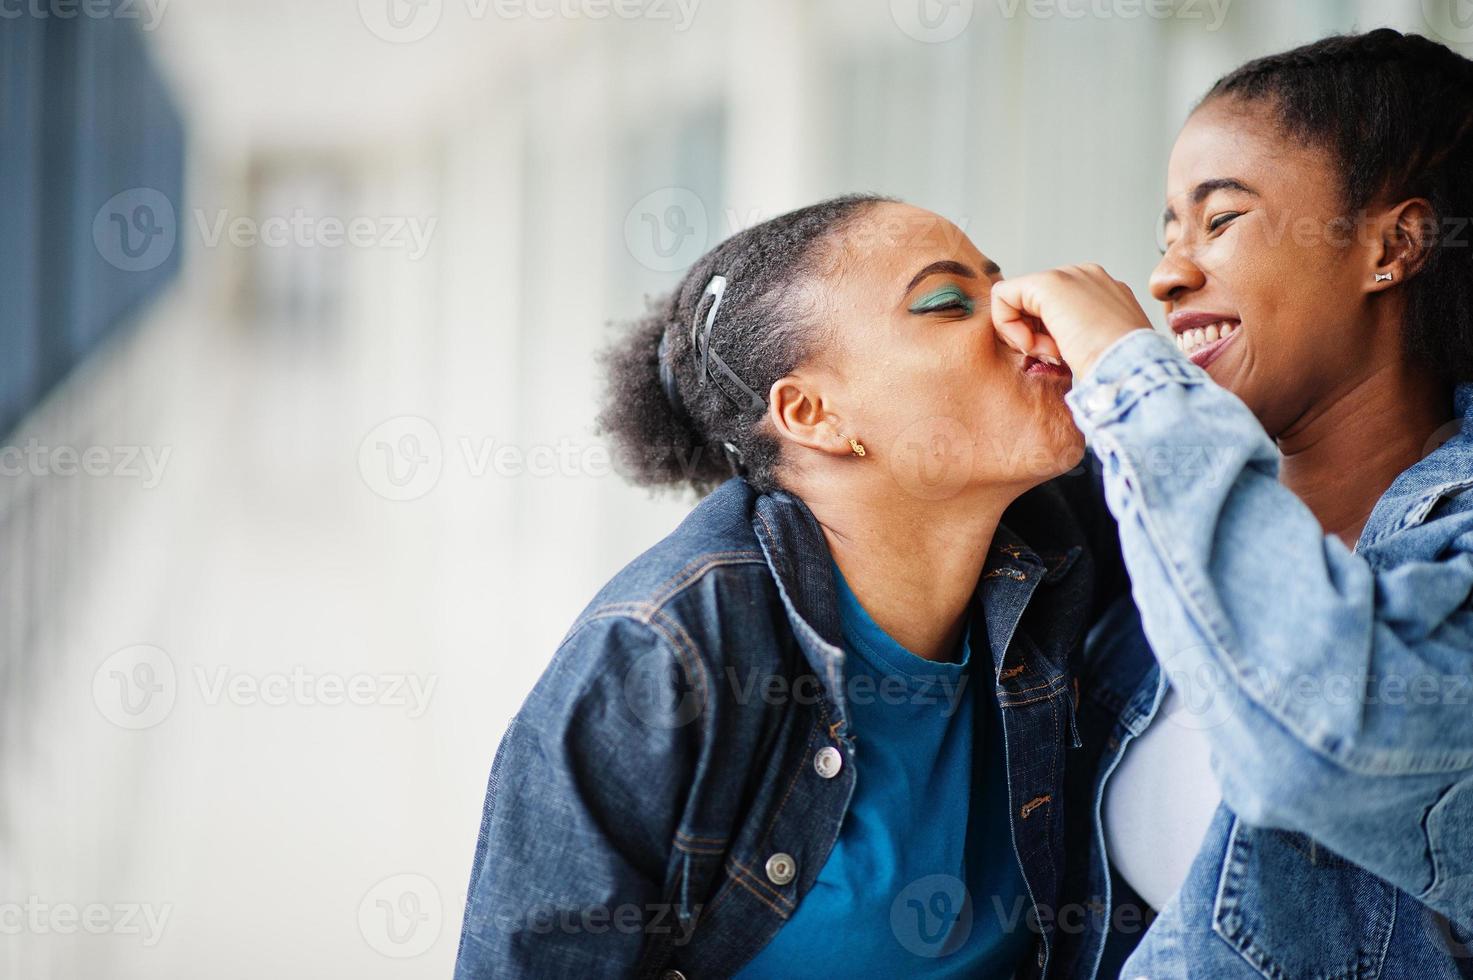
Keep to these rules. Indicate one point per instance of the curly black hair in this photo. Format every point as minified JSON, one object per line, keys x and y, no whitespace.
{"x":763,"y":330}
{"x":1395,"y":111}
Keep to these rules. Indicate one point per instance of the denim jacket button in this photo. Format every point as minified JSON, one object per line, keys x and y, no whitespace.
{"x":781,"y":868}
{"x":828,"y":762}
{"x":1102,"y":399}
{"x":672,"y":975}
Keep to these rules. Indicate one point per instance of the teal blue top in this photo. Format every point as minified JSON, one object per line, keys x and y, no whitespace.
{"x":923,"y":880}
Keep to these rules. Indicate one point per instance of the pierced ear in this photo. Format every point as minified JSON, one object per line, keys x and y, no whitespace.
{"x":798,"y":413}
{"x":1408,"y":234}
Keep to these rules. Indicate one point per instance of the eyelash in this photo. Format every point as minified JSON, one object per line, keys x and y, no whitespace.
{"x":957,"y":304}
{"x":1222,"y":219}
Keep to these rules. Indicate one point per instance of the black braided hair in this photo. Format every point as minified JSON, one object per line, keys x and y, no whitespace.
{"x":1395,"y":111}
{"x":701,"y":437}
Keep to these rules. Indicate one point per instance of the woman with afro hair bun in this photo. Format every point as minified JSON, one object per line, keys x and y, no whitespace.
{"x":822,"y":727}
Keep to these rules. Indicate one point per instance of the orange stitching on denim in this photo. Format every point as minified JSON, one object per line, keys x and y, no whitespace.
{"x":1012,"y":672}
{"x":701,"y":566}
{"x":1038,"y":687}
{"x":807,"y":746}
{"x":722,"y":894}
{"x":1042,"y":697}
{"x":681,"y":651}
{"x":640,"y":612}
{"x":753,"y":875}
{"x":739,"y":880}
{"x":1034,"y":804}
{"x":708,"y":851}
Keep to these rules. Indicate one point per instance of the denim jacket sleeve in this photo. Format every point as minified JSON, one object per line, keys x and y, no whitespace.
{"x":1298,"y":642}
{"x":583,"y":800}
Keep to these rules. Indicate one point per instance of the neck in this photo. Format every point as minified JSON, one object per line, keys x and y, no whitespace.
{"x":1342,"y":455}
{"x":914,"y":569}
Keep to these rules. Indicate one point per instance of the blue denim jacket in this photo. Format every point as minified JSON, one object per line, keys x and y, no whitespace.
{"x":668,"y":792}
{"x":1335,"y":686}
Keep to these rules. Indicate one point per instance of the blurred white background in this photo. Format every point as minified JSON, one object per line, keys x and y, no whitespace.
{"x":251,"y":695}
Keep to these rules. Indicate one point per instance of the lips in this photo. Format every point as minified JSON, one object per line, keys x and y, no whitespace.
{"x":1033,"y":366}
{"x":1202,"y":337}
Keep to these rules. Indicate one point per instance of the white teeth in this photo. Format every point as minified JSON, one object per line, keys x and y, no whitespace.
{"x":1193,"y":340}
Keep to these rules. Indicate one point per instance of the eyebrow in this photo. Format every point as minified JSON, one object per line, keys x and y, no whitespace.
{"x":1201,"y":192}
{"x":955,"y":268}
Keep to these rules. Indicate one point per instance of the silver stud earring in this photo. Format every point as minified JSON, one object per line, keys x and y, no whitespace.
{"x":1384,"y":277}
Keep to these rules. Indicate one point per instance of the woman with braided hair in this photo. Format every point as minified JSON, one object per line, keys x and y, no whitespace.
{"x":1292,"y":473}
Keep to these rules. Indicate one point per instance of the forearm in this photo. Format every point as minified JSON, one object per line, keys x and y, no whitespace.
{"x":1236,"y":579}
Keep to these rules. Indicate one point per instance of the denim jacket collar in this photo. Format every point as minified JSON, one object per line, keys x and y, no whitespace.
{"x":1413,"y":495}
{"x":795,"y":550}
{"x":798,"y":556}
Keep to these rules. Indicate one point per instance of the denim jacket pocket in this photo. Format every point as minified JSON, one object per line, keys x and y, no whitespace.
{"x":1296,"y":911}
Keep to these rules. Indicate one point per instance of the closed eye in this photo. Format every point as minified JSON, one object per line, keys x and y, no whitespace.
{"x":948,"y":299}
{"x":959,"y":306}
{"x":1218,"y":221}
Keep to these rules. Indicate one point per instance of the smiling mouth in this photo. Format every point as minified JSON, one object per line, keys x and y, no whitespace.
{"x":1200,"y":338}
{"x":1203,"y":338}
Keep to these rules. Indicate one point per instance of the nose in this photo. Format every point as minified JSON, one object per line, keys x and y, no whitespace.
{"x":1174,"y":276}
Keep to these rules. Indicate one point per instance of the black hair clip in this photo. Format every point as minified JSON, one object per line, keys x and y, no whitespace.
{"x":734,"y":459}
{"x":707,"y":359}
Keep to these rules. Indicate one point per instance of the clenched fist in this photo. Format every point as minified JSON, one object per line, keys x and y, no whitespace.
{"x":1073,"y":312}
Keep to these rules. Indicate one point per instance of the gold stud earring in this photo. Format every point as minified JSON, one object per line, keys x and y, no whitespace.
{"x":855,"y":447}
